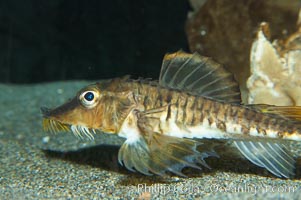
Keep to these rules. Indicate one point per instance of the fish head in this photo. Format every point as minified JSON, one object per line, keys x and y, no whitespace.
{"x":82,"y":114}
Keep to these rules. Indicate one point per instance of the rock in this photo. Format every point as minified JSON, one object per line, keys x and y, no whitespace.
{"x":275,"y":69}
{"x":225,"y":30}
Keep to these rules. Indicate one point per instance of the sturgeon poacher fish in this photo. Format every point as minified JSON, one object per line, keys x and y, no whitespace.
{"x":169,"y":124}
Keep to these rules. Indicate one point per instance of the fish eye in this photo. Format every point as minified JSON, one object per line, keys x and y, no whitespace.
{"x":88,"y":98}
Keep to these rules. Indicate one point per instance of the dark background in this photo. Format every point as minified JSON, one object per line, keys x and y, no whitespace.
{"x":43,"y":41}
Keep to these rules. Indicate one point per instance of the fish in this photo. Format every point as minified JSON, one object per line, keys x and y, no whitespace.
{"x":179,"y":120}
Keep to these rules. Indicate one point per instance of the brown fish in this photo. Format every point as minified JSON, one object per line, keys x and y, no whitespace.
{"x":174,"y":122}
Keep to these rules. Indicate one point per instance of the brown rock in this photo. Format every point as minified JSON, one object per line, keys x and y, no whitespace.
{"x":275,"y":69}
{"x":225,"y":29}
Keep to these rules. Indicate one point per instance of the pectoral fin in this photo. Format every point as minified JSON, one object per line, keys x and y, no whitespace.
{"x":272,"y":156}
{"x":157,"y":154}
{"x":135,"y":156}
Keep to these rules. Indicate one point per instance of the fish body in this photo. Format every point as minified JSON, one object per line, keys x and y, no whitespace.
{"x":180,"y":114}
{"x":167,"y":123}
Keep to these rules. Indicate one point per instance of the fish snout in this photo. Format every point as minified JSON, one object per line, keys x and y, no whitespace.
{"x":45,"y":111}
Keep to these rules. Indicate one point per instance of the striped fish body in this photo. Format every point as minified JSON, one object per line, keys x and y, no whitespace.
{"x":180,"y":114}
{"x":167,"y":123}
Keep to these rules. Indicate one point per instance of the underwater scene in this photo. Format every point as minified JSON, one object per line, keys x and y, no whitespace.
{"x":137,"y":99}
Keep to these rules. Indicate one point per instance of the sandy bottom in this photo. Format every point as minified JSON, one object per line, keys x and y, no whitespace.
{"x":39,"y":165}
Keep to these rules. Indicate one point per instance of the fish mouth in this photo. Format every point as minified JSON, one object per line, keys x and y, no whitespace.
{"x":55,"y":126}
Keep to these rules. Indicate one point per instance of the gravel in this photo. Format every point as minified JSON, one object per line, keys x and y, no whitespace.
{"x":39,"y":165}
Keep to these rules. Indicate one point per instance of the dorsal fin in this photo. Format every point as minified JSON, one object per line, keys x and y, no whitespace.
{"x":198,"y":75}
